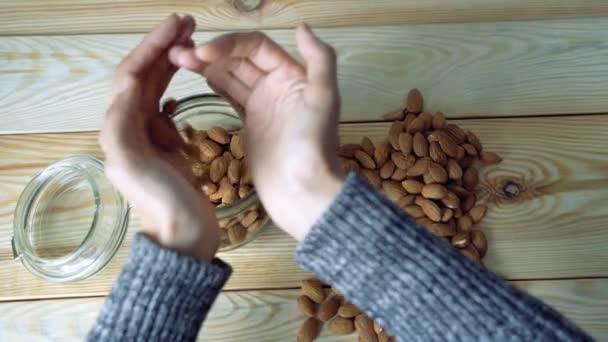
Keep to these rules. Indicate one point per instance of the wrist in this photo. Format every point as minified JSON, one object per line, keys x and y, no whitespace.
{"x":194,"y":234}
{"x":313,"y":195}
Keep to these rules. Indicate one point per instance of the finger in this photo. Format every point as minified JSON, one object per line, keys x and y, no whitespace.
{"x":263,"y":52}
{"x":320,"y":58}
{"x":152,"y":46}
{"x":246,"y":72}
{"x":218,"y":73}
{"x":184,"y":57}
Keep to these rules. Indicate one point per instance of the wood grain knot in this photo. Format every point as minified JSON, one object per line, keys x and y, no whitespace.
{"x":247,"y":5}
{"x":511,"y":189}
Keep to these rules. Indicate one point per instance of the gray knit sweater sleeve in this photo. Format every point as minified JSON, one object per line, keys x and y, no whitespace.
{"x":159,"y":296}
{"x":413,"y":283}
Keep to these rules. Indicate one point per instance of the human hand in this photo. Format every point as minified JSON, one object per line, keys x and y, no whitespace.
{"x":291,"y":115}
{"x":157,"y":183}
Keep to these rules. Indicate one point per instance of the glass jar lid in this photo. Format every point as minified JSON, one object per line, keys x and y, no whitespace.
{"x":69,"y":220}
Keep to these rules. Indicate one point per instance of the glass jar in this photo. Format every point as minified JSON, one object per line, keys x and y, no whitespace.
{"x":241,"y":220}
{"x":69,"y":221}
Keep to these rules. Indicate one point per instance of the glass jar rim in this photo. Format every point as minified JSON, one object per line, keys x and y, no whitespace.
{"x":40,"y":266}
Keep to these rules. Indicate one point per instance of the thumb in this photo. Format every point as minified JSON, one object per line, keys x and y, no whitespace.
{"x":320,"y":58}
{"x":184,"y":57}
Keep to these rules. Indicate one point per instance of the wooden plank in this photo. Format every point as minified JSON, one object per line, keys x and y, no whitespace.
{"x":272,"y":315}
{"x":51,"y":84}
{"x":554,"y":227}
{"x":103,"y":16}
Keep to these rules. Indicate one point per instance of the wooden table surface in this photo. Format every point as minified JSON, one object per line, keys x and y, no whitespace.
{"x":530,"y":77}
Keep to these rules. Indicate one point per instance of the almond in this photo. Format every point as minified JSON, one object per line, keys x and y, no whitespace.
{"x":405,"y":143}
{"x":399,"y":174}
{"x":456,"y":133}
{"x":237,"y":146}
{"x":309,"y":330}
{"x":478,"y":238}
{"x":408,"y":119}
{"x":249,"y":218}
{"x":458,"y":190}
{"x":200,"y":170}
{"x":230,"y":196}
{"x":348,"y":150}
{"x":440,"y":229}
{"x":465,"y":224}
{"x":416,"y":126}
{"x":386,"y":171}
{"x":419,"y":167}
{"x":368,"y":146}
{"x":437,"y":154}
{"x":405,"y":201}
{"x":365,"y":328}
{"x":420,"y":145}
{"x":371,"y":177}
{"x":473,"y":140}
{"x":234,"y":171}
{"x":430,"y":209}
{"x":414,"y":101}
{"x":393,"y":134}
{"x":438,"y":173}
{"x":412,"y":186}
{"x":381,"y":153}
{"x":244,"y":191}
{"x":341,"y":326}
{"x":434,"y":191}
{"x":349,"y":165}
{"x":219,"y":135}
{"x":393,"y":190}
{"x":451,"y":201}
{"x":218,"y":169}
{"x":478,"y":212}
{"x":461,"y":239}
{"x":470,"y":178}
{"x":469,"y":202}
{"x":414,"y":211}
{"x":460,"y":152}
{"x":447,"y":144}
{"x":306,"y":306}
{"x":208,"y":188}
{"x":427,"y":178}
{"x":439,"y":121}
{"x":209,"y":150}
{"x":365,"y":160}
{"x":383,"y":337}
{"x":470,"y":252}
{"x":245,"y":174}
{"x":402,"y":161}
{"x":236,"y":234}
{"x":328,"y":309}
{"x":469,"y":149}
{"x":447,"y":215}
{"x":454,"y":169}
{"x":313,"y":289}
{"x":377,"y":328}
{"x":489,"y":158}
{"x":427,"y":118}
{"x":348,"y":310}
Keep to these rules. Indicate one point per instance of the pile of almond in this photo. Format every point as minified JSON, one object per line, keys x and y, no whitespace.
{"x":321,"y":306}
{"x":427,"y":166}
{"x":217,"y":160}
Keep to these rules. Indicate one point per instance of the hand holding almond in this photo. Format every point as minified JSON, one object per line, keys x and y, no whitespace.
{"x":291,"y":115}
